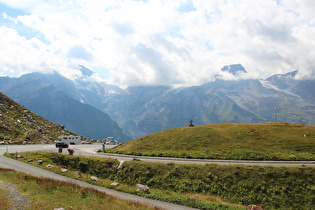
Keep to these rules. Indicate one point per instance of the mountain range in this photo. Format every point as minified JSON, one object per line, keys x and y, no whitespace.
{"x":140,"y":110}
{"x":51,"y":96}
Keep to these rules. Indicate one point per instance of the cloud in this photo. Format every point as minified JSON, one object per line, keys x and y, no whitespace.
{"x":5,"y":16}
{"x":158,"y":42}
{"x":79,"y":52}
{"x":157,"y":69}
{"x":123,"y":28}
{"x":20,"y":56}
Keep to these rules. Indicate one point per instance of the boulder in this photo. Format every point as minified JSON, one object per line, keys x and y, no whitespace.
{"x":50,"y":166}
{"x":142,"y":188}
{"x":63,"y":170}
{"x":30,"y":160}
{"x":115,"y":184}
{"x":254,"y":207}
{"x":39,"y":162}
{"x":77,"y":174}
{"x":94,"y":178}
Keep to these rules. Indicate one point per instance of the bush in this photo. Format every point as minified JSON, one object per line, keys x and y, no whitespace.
{"x":103,"y":167}
{"x":267,"y":186}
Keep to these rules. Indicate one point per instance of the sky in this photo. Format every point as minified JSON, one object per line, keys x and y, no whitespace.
{"x":157,"y":42}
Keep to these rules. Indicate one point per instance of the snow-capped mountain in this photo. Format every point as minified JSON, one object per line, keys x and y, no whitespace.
{"x":141,"y":110}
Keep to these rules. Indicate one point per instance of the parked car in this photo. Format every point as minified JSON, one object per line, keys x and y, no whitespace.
{"x":87,"y":142}
{"x":62,"y":145}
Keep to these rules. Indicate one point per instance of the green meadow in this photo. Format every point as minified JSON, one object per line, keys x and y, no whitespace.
{"x":235,"y":141}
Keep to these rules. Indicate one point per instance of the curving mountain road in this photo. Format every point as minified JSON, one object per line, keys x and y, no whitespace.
{"x":90,"y":150}
{"x":35,"y":171}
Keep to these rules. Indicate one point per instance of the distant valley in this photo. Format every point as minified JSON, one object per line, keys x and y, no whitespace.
{"x":39,"y":95}
{"x":97,"y":110}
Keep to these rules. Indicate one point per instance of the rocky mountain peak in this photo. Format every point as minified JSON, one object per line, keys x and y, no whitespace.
{"x":85,"y":71}
{"x":234,"y":69}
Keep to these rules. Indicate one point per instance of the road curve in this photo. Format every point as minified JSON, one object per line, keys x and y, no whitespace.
{"x":90,"y":150}
{"x":16,"y":165}
{"x":209,"y":161}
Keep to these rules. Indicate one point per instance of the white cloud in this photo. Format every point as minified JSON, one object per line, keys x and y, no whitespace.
{"x":19,"y":55}
{"x":158,"y":41}
{"x":5,"y":16}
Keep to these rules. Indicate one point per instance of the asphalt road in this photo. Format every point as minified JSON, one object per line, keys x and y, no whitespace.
{"x":91,"y":150}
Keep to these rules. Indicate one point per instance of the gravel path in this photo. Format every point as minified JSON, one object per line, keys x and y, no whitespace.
{"x":35,"y":171}
{"x":19,"y":201}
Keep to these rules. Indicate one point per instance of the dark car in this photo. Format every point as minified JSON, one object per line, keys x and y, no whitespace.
{"x":62,"y":145}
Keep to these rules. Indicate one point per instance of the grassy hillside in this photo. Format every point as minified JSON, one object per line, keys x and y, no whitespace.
{"x":266,"y":141}
{"x":18,"y":125}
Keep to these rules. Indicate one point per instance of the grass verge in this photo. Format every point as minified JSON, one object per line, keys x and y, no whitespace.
{"x":50,"y":194}
{"x":5,"y":202}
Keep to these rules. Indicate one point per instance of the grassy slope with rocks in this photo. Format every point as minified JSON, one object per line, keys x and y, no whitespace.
{"x":18,"y":125}
{"x":259,"y":141}
{"x":211,"y":186}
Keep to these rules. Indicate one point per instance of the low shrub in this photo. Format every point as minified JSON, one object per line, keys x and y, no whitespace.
{"x":289,"y":187}
{"x":102,"y":167}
